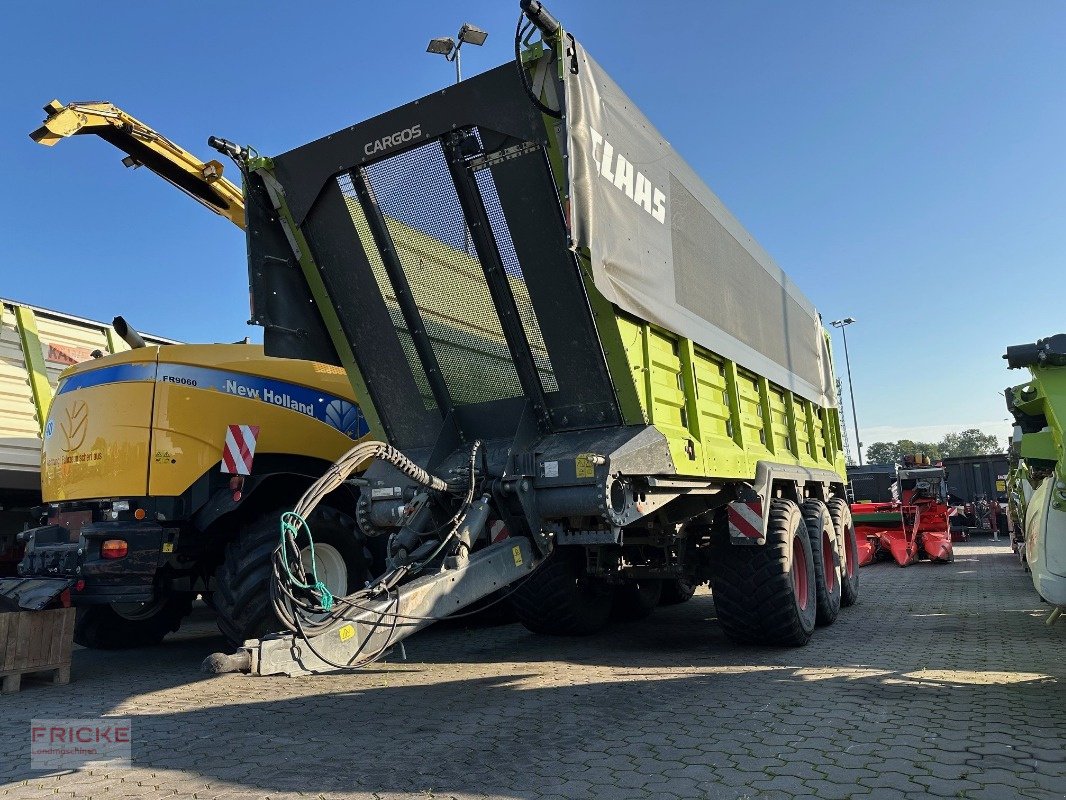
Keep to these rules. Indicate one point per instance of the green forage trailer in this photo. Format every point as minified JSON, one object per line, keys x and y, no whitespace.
{"x":592,"y":390}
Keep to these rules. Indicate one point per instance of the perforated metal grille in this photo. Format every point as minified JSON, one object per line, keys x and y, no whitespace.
{"x":415,"y":192}
{"x":517,"y":279}
{"x":366,"y":238}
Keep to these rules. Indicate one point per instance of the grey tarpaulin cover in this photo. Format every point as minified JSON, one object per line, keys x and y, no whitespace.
{"x":666,"y":249}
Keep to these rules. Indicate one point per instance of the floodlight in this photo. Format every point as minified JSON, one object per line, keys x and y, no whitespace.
{"x":442,"y":45}
{"x":472,"y":34}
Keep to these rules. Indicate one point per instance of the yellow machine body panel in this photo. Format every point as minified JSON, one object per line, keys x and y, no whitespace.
{"x":155,"y":419}
{"x":298,"y":407}
{"x":99,"y":429}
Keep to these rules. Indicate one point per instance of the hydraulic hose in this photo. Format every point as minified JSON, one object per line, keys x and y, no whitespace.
{"x":350,"y":461}
{"x":523,"y":28}
{"x":306,"y":609}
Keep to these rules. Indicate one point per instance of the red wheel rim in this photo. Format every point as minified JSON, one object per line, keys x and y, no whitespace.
{"x":828,"y":562}
{"x":849,"y":551}
{"x":799,"y":573}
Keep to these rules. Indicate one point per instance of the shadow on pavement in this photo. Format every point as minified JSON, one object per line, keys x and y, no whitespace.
{"x":936,"y":666}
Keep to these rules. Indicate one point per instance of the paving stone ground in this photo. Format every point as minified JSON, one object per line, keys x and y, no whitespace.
{"x":942,"y":682}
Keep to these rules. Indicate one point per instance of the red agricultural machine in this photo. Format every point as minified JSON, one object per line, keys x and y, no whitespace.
{"x":913,"y":526}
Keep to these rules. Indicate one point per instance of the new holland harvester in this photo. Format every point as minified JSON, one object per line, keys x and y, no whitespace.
{"x":165,"y":468}
{"x":589,"y":387}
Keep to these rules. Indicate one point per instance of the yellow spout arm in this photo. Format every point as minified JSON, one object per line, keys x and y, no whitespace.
{"x":202,"y":180}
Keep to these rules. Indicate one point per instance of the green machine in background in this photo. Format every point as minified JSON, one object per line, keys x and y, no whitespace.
{"x":1037,"y":481}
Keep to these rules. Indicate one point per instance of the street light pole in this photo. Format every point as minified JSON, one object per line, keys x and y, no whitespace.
{"x":452,"y":51}
{"x":843,"y":324}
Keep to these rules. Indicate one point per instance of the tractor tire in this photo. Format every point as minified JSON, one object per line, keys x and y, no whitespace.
{"x":242,"y":582}
{"x":635,"y":600}
{"x":826,"y":557}
{"x":560,"y":599}
{"x":766,"y":594}
{"x":848,"y":548}
{"x":677,"y":591}
{"x":118,"y":626}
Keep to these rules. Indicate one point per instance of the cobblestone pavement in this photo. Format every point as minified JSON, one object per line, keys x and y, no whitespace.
{"x":943,"y":681}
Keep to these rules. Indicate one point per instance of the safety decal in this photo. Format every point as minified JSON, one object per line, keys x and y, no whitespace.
{"x":745,"y":520}
{"x":239,"y":450}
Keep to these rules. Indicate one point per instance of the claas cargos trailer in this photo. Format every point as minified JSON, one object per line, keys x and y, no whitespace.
{"x":587,"y":382}
{"x":1039,"y":472}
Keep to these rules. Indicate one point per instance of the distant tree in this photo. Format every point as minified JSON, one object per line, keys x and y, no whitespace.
{"x":882,"y":453}
{"x":894,"y":452}
{"x":970,"y":442}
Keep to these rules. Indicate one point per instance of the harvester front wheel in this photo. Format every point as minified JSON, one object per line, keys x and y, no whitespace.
{"x":561,"y":599}
{"x":242,"y":582}
{"x":766,"y":594}
{"x":848,"y":548}
{"x":824,"y":551}
{"x":122,"y":625}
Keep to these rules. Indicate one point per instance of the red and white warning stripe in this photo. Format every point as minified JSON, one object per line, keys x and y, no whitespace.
{"x":498,"y":531}
{"x":745,"y":520}
{"x":240,"y":449}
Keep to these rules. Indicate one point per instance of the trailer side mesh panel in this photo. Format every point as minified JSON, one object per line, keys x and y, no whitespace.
{"x":414,"y":191}
{"x":366,"y":238}
{"x":502,"y":234}
{"x":712,"y":270}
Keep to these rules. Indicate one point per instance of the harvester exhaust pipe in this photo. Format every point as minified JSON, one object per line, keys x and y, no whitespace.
{"x":128,"y":334}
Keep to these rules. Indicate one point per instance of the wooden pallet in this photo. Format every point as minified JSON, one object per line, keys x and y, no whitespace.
{"x":35,"y":641}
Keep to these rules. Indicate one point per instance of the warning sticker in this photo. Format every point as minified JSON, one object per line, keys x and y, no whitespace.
{"x":346,"y":633}
{"x":516,"y":551}
{"x":584,"y":466}
{"x":551,"y":469}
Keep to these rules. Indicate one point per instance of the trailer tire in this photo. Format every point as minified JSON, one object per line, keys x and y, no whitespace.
{"x":102,"y":627}
{"x":826,"y":555}
{"x":242,"y":582}
{"x":560,"y":599}
{"x":677,"y":591}
{"x":766,"y":594}
{"x":848,"y":547}
{"x":635,"y":600}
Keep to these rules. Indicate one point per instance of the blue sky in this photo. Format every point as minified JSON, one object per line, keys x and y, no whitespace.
{"x":902,"y":161}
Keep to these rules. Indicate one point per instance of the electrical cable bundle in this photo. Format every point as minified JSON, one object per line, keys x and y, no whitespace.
{"x":307,"y":608}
